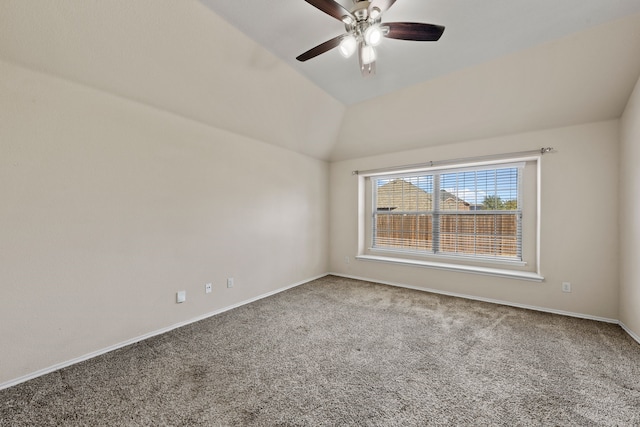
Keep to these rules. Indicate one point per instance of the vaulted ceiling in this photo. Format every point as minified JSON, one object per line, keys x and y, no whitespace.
{"x":476,"y":32}
{"x":501,"y":67}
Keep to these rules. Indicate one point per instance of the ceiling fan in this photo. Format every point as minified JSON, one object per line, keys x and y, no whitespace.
{"x":364,"y":31}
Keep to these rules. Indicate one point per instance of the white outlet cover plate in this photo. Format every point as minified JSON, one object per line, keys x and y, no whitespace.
{"x":181,"y":296}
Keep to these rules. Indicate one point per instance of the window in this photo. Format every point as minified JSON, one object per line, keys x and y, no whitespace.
{"x":471,"y":213}
{"x":470,"y":217}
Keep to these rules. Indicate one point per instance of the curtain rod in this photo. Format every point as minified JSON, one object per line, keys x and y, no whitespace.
{"x":539,"y":151}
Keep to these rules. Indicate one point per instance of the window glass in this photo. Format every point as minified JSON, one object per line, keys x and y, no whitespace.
{"x":470,"y":213}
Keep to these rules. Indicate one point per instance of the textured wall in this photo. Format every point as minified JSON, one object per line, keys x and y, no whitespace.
{"x":178,"y":56}
{"x":630,"y":214}
{"x":109,"y":207}
{"x":579,"y":243}
{"x":581,"y":78}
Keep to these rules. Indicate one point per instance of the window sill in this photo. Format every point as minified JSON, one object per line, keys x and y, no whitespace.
{"x":455,"y":260}
{"x":512,"y":274}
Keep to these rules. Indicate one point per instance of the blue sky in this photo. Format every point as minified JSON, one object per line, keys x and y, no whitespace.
{"x":472,"y":186}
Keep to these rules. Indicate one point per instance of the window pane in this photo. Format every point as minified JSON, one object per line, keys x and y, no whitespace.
{"x":475,"y":213}
{"x":413,"y":194}
{"x":492,"y":189}
{"x":482,"y":235}
{"x":403,"y":231}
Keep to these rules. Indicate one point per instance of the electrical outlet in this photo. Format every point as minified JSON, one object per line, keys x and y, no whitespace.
{"x":230,"y":282}
{"x":207,"y":288}
{"x":347,"y":260}
{"x":566,"y":287}
{"x":181,"y":296}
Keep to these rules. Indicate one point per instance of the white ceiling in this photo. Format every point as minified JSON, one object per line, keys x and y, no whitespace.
{"x":501,"y":67}
{"x":476,"y":32}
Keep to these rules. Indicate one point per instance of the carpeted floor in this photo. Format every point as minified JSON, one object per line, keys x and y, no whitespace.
{"x":340,"y":352}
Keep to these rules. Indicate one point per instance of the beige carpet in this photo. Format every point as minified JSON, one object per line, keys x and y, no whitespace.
{"x":339,"y":352}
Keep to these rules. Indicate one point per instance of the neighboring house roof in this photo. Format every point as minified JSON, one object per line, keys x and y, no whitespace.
{"x":400,"y":195}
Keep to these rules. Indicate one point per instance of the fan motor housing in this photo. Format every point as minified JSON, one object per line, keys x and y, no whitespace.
{"x":361,"y":10}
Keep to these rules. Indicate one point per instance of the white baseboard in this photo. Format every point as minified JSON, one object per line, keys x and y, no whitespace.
{"x":93,"y":354}
{"x":630,"y":332}
{"x":476,"y":298}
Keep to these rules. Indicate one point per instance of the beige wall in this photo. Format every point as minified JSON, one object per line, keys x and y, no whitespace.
{"x":565,"y":82}
{"x":178,"y":56}
{"x":630,"y":214}
{"x":109,"y":207}
{"x":579,"y":242}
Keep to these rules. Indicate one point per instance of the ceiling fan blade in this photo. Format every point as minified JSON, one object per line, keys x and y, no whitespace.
{"x":321,"y":48}
{"x":382,"y":4}
{"x":413,"y":31}
{"x":331,"y":8}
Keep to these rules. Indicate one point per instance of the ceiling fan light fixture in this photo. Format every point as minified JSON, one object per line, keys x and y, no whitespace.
{"x":347,"y":19}
{"x":364,"y":30}
{"x":373,"y":35}
{"x":367,"y":54}
{"x":347,"y":46}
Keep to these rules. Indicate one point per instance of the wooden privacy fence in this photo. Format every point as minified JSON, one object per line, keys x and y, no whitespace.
{"x":477,"y":234}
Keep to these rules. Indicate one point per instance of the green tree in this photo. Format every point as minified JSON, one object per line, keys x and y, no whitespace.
{"x":511,"y":205}
{"x":492,"y":203}
{"x":495,"y":203}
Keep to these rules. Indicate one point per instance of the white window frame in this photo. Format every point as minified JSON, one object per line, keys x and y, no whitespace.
{"x":527,"y":269}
